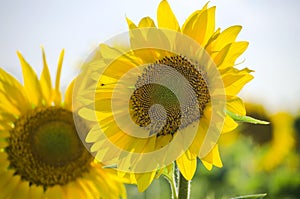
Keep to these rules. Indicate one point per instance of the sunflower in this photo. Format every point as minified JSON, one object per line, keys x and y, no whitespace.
{"x":277,"y":139}
{"x":166,"y":95}
{"x":282,"y":142}
{"x":41,"y":155}
{"x":297,"y":131}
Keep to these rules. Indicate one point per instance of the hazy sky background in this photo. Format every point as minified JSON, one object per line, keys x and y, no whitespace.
{"x":271,"y":26}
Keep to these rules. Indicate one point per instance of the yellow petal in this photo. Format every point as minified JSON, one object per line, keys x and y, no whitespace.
{"x":227,"y":139}
{"x":187,"y":164}
{"x":69,"y":96}
{"x":55,"y":192}
{"x":146,"y":22}
{"x":130,"y":24}
{"x":201,"y":25}
{"x":88,"y":114}
{"x":129,"y":177}
{"x":229,"y":124}
{"x":45,"y":81}
{"x":144,"y":180}
{"x":228,"y":55}
{"x":17,"y":98}
{"x":36,"y":192}
{"x":109,"y":53}
{"x":9,"y":104}
{"x":188,"y":24}
{"x":121,"y":139}
{"x":21,"y":191}
{"x":166,"y":17}
{"x":209,"y":47}
{"x":235,"y":105}
{"x":115,"y":58}
{"x":6,"y":117}
{"x":89,"y":189}
{"x":235,"y":80}
{"x":31,"y":82}
{"x":56,"y":92}
{"x":213,"y":158}
{"x":6,"y":177}
{"x":226,"y":37}
{"x":101,"y":177}
{"x":3,"y":166}
{"x":216,"y":157}
{"x":207,"y":165}
{"x":208,"y":158}
{"x":201,"y":134}
{"x":74,"y":191}
{"x":10,"y":187}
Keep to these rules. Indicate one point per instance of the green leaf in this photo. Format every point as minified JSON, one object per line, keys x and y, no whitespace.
{"x":247,"y":119}
{"x":253,"y":196}
{"x":113,"y":166}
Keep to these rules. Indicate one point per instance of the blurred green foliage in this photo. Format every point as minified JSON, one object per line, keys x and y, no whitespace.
{"x":239,"y":176}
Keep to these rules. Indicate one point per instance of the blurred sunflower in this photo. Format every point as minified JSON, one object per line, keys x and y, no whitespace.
{"x":277,"y":138}
{"x":297,"y":130}
{"x":41,"y":155}
{"x":282,"y":143}
{"x":166,"y":84}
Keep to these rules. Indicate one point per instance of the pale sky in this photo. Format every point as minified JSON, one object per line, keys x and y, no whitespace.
{"x":271,"y":27}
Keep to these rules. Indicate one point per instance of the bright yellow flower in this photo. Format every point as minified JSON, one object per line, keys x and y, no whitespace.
{"x":41,"y":155}
{"x":166,"y":96}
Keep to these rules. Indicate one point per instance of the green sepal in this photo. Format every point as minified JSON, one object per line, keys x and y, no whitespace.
{"x":167,"y":171}
{"x":248,"y":119}
{"x":253,"y":196}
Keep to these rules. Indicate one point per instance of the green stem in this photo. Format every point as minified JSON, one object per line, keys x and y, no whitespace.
{"x":173,"y":187}
{"x":183,"y":188}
